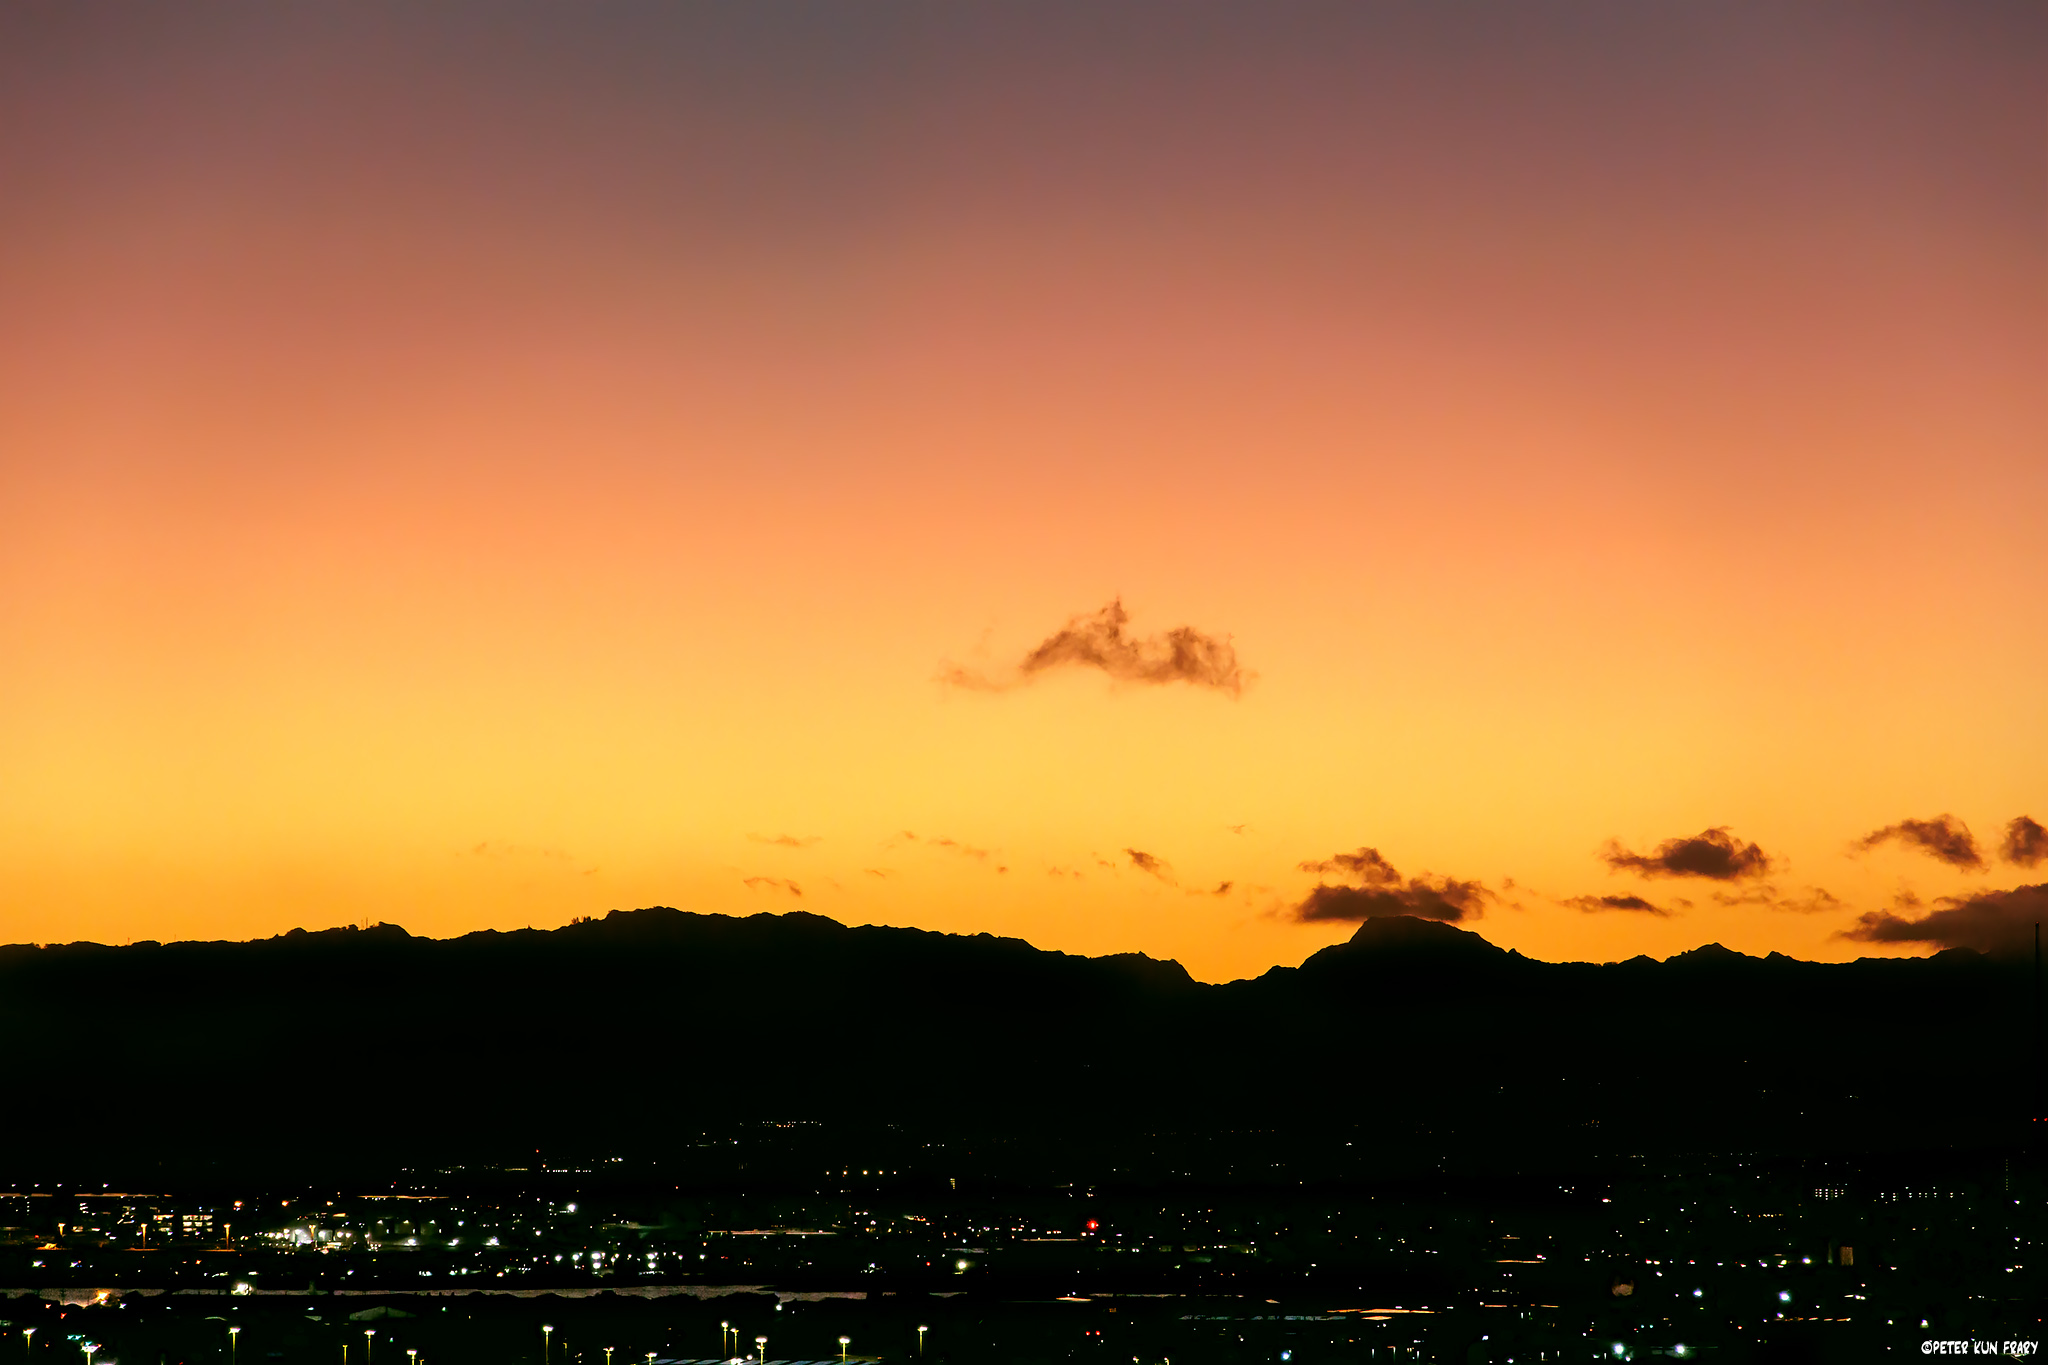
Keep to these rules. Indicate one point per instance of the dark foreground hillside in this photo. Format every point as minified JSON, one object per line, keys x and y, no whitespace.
{"x":1414,"y":1045}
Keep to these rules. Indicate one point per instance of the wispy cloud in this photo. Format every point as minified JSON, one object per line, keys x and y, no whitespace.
{"x":1380,"y":892}
{"x":1596,"y":904}
{"x":773,"y":884}
{"x":1944,"y":838}
{"x":1990,"y":922}
{"x":786,"y":840}
{"x":2026,"y":843}
{"x":1813,"y":900}
{"x":1102,"y":641}
{"x":1712,"y":853}
{"x":491,"y":848}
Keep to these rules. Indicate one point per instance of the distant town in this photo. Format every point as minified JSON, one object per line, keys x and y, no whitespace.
{"x":922,"y":1255}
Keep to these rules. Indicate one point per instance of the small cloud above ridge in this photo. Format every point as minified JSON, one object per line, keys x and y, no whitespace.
{"x":1712,"y":853}
{"x":2026,"y":843}
{"x":1382,"y":893}
{"x":1943,"y":838}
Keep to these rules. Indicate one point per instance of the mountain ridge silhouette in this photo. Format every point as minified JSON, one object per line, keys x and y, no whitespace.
{"x":376,"y":1045}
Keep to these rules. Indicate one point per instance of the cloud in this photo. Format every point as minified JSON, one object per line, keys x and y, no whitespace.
{"x":1441,"y":898}
{"x":786,"y":840}
{"x":1713,"y":853}
{"x":775,"y":884}
{"x":2026,"y":843}
{"x":882,"y":872}
{"x":1595,"y":904}
{"x":1366,"y":866}
{"x":1944,"y":838}
{"x":490,"y":848}
{"x":1100,"y":641}
{"x":1990,"y":922}
{"x":965,"y":850}
{"x":1381,"y":892}
{"x":1222,"y":888}
{"x":1149,"y":864}
{"x":1812,"y":901}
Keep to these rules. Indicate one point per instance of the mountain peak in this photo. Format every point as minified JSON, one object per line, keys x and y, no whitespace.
{"x":1407,"y":942}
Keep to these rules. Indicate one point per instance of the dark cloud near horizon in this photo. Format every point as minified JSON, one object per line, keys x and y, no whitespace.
{"x":1712,"y":853}
{"x":1990,"y":922}
{"x":2026,"y":843}
{"x":1944,"y":838}
{"x":1636,"y":904}
{"x":1442,"y":898}
{"x":1382,"y":892}
{"x":774,"y":883}
{"x":1101,"y":641}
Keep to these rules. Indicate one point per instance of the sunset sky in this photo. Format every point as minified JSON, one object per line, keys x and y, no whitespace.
{"x":474,"y":465}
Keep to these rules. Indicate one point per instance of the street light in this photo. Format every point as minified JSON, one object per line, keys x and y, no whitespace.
{"x":844,"y":1342}
{"x":607,"y":1355}
{"x":234,"y":1335}
{"x":724,"y":1331}
{"x":547,"y":1335}
{"x":920,"y":1339}
{"x":370,"y":1345}
{"x":761,"y":1349}
{"x":26,"y":1333}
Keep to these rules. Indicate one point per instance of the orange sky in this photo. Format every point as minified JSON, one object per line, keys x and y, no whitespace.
{"x":482,"y":467}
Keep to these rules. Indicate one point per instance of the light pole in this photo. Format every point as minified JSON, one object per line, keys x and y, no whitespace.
{"x":844,"y":1342}
{"x":344,"y":1353}
{"x":234,"y":1339}
{"x":370,"y":1346}
{"x":724,"y":1331}
{"x":412,"y":1355}
{"x":547,"y":1336}
{"x":607,"y":1355}
{"x":26,"y":1333}
{"x":761,"y":1349}
{"x":920,"y":1339}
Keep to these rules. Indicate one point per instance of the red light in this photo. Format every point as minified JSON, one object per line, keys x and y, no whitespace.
{"x":1092,"y":1225}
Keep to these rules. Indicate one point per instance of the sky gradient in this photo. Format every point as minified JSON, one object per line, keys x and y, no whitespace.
{"x":473,"y":466}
